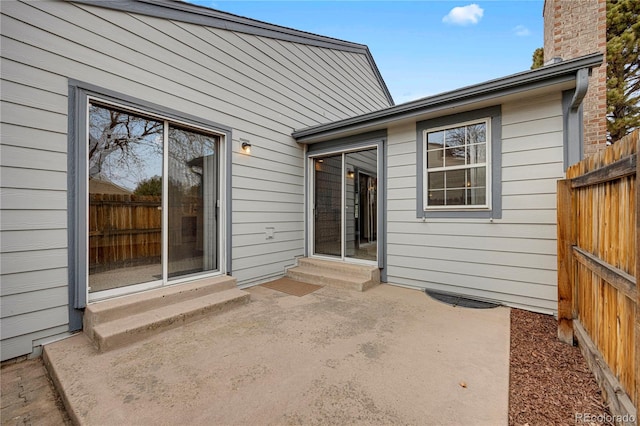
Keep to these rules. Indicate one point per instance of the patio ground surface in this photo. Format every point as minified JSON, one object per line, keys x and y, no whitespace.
{"x":389,"y":355}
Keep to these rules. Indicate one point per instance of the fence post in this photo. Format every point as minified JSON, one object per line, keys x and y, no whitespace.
{"x":566,"y":240}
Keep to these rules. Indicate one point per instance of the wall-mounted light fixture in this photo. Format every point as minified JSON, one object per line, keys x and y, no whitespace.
{"x":246,"y":146}
{"x":350,"y":173}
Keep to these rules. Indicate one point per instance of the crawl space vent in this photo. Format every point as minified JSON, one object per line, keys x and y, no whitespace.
{"x":457,"y":300}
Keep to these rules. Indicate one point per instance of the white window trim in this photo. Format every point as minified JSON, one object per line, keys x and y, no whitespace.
{"x":487,"y":165}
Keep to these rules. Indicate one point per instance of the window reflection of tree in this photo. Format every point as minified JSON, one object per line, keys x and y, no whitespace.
{"x":128,"y":150}
{"x":476,"y":135}
{"x":455,"y":137}
{"x":458,"y":140}
{"x":120,"y":145}
{"x":187,"y":151}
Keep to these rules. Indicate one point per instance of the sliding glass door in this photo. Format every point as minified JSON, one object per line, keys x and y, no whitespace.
{"x":153,"y":190}
{"x":361,"y":202}
{"x":328,"y":205}
{"x":192,"y":195}
{"x":345,"y":205}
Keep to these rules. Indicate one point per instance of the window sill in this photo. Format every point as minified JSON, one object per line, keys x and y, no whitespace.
{"x":457,"y":209}
{"x":459,"y":214}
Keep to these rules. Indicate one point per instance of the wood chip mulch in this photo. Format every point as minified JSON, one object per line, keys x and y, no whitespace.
{"x":549,"y":381}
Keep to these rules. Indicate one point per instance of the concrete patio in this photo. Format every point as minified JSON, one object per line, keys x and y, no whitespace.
{"x":386,"y":356}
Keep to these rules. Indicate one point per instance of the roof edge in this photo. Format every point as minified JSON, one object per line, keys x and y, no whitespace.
{"x":202,"y":15}
{"x":539,"y":75}
{"x":376,"y":73}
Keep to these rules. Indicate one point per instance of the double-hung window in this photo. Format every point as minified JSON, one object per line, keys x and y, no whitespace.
{"x":457,"y":166}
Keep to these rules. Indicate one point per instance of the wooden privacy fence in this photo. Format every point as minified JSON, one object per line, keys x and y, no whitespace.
{"x":598,"y":267}
{"x":124,"y":230}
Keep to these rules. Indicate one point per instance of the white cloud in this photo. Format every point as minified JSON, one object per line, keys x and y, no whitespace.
{"x":464,"y":15}
{"x":521,"y":31}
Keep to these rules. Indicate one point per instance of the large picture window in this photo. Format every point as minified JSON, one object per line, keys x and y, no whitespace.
{"x":457,"y":166}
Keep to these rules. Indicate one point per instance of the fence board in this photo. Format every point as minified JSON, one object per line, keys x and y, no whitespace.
{"x":617,"y":278}
{"x":598,"y":267}
{"x":613,"y":171}
{"x":636,"y":361}
{"x":124,"y":229}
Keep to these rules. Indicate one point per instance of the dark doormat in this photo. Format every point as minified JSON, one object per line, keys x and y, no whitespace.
{"x":293,"y":287}
{"x":457,"y":300}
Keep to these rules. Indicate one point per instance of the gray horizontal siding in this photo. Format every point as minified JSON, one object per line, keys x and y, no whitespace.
{"x":27,"y":282}
{"x":267,"y":264}
{"x":265,"y":185}
{"x":22,"y":94}
{"x":32,"y":199}
{"x":23,"y":303}
{"x":22,"y":115}
{"x":29,"y":76}
{"x":513,"y":259}
{"x":497,"y":230}
{"x":32,"y":158}
{"x":28,"y":261}
{"x":309,"y":58}
{"x":257,"y":238}
{"x":261,"y":88}
{"x":540,"y":245}
{"x":538,"y":186}
{"x":29,"y":137}
{"x":17,"y":346}
{"x":15,"y":220}
{"x":474,"y":256}
{"x":28,"y":178}
{"x":34,"y":321}
{"x":30,"y":240}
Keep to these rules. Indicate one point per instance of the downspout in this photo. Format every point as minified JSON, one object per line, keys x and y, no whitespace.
{"x":305,"y":192}
{"x":574,"y":119}
{"x":582,"y":84}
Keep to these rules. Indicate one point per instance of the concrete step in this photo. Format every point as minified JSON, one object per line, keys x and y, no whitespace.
{"x":331,"y":278}
{"x":121,"y":307}
{"x":132,"y":328}
{"x":368,"y":272}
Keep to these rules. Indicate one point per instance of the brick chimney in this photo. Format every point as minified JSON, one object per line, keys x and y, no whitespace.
{"x":574,"y":28}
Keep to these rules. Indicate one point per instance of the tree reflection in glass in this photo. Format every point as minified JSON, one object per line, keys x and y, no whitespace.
{"x":124,"y":222}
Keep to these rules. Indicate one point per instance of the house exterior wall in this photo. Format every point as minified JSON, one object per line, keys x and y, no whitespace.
{"x":576,"y":28}
{"x":512,"y":259}
{"x":260,"y":87}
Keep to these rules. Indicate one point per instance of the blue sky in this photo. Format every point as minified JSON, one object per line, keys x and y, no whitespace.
{"x":421,"y":47}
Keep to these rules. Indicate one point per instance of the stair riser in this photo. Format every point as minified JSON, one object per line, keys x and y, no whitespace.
{"x":124,"y":338}
{"x":312,"y":278}
{"x":346,"y":269}
{"x":147,"y":301}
